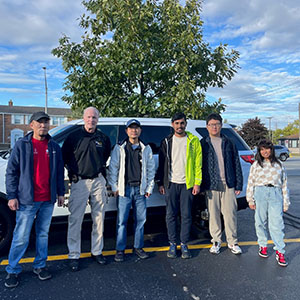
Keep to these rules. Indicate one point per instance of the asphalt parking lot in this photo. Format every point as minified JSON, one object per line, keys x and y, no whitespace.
{"x":205,"y":276}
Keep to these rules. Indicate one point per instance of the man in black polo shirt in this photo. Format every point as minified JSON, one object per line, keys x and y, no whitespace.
{"x":85,"y":153}
{"x":131,"y":176}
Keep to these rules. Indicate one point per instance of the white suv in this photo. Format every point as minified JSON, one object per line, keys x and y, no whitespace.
{"x":153,"y":131}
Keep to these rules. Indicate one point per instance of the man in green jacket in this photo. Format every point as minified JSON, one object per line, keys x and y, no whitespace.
{"x":179,"y":177}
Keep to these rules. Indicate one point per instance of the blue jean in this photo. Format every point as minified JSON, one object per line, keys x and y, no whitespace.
{"x":269,"y":209}
{"x":25,"y":215}
{"x":138,"y":202}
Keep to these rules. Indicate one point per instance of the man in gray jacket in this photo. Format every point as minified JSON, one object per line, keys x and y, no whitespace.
{"x":131,"y":177}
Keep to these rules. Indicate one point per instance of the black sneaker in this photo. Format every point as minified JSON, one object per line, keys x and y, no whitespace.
{"x":172,"y":251}
{"x":42,"y":273}
{"x":74,"y":264}
{"x":141,"y":253}
{"x":119,"y":257}
{"x":100,"y":259}
{"x":185,"y":252}
{"x":11,"y":280}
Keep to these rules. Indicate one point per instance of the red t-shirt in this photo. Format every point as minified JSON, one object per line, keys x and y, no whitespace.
{"x":41,"y":170}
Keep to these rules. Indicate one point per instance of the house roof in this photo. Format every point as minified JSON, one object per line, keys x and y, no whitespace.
{"x":290,"y":137}
{"x":53,"y":111}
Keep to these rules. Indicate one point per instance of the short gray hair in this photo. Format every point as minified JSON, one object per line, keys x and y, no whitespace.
{"x":94,"y":108}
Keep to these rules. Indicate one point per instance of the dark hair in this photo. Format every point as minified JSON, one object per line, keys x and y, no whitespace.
{"x":214,"y":116}
{"x":178,"y":116}
{"x":267,"y":145}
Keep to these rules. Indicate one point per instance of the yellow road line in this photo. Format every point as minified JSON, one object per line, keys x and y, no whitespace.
{"x":149,"y":249}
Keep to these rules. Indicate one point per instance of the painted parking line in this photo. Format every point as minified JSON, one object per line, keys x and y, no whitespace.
{"x":149,"y":249}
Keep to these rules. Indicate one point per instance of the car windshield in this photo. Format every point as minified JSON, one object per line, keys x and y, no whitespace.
{"x":58,"y":130}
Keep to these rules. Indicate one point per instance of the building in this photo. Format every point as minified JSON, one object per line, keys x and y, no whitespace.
{"x":14,"y":121}
{"x":291,"y":142}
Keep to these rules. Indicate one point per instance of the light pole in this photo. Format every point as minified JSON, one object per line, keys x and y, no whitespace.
{"x":46,"y":90}
{"x":299,"y":128}
{"x":270,"y":132}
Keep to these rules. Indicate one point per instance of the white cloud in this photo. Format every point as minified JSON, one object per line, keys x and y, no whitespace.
{"x":272,"y":24}
{"x":17,"y":90}
{"x":38,"y":22}
{"x":32,"y":30}
{"x":6,"y":78}
{"x":8,"y":57}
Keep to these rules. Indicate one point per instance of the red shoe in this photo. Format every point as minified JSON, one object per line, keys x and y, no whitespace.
{"x":280,"y":259}
{"x":263,"y":252}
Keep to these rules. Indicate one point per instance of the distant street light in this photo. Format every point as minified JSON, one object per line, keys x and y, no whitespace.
{"x":270,"y":131}
{"x":299,"y":129}
{"x":46,"y":90}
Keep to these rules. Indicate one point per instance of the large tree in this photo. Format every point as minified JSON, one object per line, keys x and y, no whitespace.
{"x":144,"y":58}
{"x":253,"y":131}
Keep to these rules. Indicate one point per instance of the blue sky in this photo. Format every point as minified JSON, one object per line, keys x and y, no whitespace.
{"x":266,"y":33}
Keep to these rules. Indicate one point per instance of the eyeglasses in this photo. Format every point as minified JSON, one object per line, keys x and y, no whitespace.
{"x":214,"y":125}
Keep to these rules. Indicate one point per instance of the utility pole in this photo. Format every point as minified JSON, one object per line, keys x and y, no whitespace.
{"x":299,"y":129}
{"x":270,"y":131}
{"x":46,"y":91}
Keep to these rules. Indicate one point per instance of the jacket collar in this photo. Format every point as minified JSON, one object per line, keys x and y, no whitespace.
{"x":222,"y":136}
{"x":124,"y":143}
{"x":189,"y":135}
{"x":28,"y":137}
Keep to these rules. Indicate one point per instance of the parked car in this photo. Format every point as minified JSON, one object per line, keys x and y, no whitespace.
{"x":153,"y":131}
{"x":5,"y":153}
{"x":281,"y":152}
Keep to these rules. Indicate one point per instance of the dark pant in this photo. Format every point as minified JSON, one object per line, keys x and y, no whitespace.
{"x":179,"y":199}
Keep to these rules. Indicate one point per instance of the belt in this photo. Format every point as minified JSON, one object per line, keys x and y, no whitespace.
{"x":86,"y":177}
{"x":269,"y":185}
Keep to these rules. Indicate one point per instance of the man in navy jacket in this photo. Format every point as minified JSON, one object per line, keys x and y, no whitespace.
{"x":222,"y":182}
{"x":34,"y":180}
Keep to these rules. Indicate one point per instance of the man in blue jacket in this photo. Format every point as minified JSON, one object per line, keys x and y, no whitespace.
{"x":222,"y":181}
{"x":34,"y":180}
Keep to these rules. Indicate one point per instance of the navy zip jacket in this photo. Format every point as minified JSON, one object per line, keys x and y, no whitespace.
{"x":19,"y":171}
{"x":210,"y":168}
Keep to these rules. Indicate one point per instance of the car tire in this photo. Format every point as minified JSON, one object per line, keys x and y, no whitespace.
{"x":7,"y":224}
{"x":283,"y":157}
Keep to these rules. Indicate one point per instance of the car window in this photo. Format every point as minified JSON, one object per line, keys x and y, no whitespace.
{"x":230,"y":133}
{"x":111,"y":131}
{"x":56,"y":131}
{"x":61,"y":133}
{"x":152,"y":135}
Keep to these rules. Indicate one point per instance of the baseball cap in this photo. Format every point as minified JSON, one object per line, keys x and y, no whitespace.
{"x":133,"y":121}
{"x":39,"y":115}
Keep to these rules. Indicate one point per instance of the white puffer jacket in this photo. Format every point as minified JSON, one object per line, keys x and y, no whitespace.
{"x":116,"y":173}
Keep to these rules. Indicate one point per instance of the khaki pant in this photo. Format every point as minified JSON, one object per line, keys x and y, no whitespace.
{"x":222,"y":202}
{"x":93,"y":190}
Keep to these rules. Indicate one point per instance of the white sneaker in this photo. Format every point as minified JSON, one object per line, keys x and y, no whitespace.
{"x":235,"y":249}
{"x":215,"y":248}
